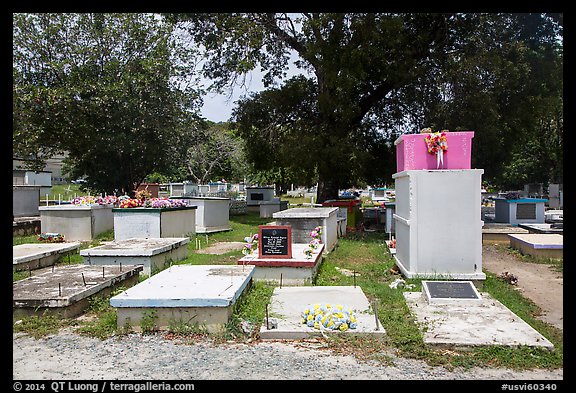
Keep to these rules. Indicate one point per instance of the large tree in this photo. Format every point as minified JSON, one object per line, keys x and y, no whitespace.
{"x":103,"y":87}
{"x":357,"y":61}
{"x":375,"y":76}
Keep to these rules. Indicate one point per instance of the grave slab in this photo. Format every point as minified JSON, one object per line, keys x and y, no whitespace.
{"x":152,"y":253}
{"x":297,"y":270}
{"x":185,"y":294}
{"x":303,"y":220}
{"x":547,"y":245}
{"x":496,"y":233}
{"x":38,"y":255}
{"x":288,"y":303}
{"x":65,"y":290}
{"x":543,"y":228}
{"x":469,"y":325}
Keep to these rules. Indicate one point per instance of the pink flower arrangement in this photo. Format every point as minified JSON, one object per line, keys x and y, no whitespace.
{"x":316,"y":235}
{"x":156,"y":203}
{"x":250,"y":245}
{"x":92,"y":200}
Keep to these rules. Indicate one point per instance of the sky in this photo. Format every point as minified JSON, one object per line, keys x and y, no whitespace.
{"x":218,"y":107}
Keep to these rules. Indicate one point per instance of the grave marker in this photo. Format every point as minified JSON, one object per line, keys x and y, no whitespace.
{"x":451,"y":292}
{"x":275,"y":241}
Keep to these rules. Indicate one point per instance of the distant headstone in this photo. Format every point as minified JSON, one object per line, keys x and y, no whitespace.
{"x":450,"y":292}
{"x":274,"y":241}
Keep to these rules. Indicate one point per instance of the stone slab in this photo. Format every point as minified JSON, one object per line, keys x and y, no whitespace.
{"x":37,"y":255}
{"x":543,"y":228}
{"x":185,"y":295}
{"x":287,"y":304}
{"x":152,"y":253}
{"x":488,"y":323}
{"x":65,"y":289}
{"x":304,"y":212}
{"x":540,"y":240}
{"x":498,"y":233}
{"x":188,"y":286}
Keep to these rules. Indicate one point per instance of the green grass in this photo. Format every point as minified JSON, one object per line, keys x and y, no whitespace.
{"x":367,"y":255}
{"x":66,"y":192}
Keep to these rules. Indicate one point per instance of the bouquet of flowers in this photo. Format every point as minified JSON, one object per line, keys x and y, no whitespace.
{"x":127,"y":203}
{"x":316,"y":235}
{"x":437,"y":143}
{"x":250,"y":245}
{"x":165,"y":203}
{"x":51,"y":237}
{"x":326,"y":316}
{"x":92,"y":200}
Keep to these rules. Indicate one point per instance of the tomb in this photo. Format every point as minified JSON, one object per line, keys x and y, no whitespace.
{"x":77,"y":222}
{"x":25,"y":200}
{"x":550,"y":245}
{"x":148,"y":222}
{"x":277,"y":259}
{"x":256,"y":194}
{"x":284,"y":313}
{"x":349,"y":213}
{"x":519,"y":210}
{"x":37,"y":255}
{"x":412,"y":154}
{"x":303,"y":220}
{"x":268,"y":208}
{"x":193,"y":295}
{"x":438,"y":225}
{"x":212,"y":213}
{"x":455,"y":314}
{"x":152,"y":253}
{"x":66,"y":290}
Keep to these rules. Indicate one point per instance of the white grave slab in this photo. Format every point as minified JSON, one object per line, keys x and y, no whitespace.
{"x":288,"y":303}
{"x":152,"y":253}
{"x":548,"y":245}
{"x":190,"y":294}
{"x":37,"y":255}
{"x":65,"y":290}
{"x":469,"y":325}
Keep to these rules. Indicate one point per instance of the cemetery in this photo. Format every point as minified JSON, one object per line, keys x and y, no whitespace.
{"x":436,"y":203}
{"x":319,"y":213}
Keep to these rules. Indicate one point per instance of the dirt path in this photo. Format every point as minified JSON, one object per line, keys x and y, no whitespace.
{"x":538,"y":282}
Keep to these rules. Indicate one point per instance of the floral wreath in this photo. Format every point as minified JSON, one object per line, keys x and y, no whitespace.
{"x":326,"y":316}
{"x":316,"y":235}
{"x":51,"y":237}
{"x":250,"y":245}
{"x":437,"y":144}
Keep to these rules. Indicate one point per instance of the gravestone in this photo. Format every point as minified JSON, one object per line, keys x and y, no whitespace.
{"x":451,"y":292}
{"x":274,"y":241}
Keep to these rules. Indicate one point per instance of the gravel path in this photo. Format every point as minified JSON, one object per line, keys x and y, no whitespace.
{"x":69,"y":356}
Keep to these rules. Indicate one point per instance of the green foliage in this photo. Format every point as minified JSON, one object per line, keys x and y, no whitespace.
{"x":148,"y":322}
{"x":104,"y":88}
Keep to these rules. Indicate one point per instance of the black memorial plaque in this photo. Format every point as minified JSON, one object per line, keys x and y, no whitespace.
{"x":257,"y":196}
{"x":274,"y":241}
{"x":451,"y":290}
{"x":526,"y":211}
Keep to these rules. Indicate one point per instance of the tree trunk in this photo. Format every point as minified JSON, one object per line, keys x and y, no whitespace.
{"x":327,"y":189}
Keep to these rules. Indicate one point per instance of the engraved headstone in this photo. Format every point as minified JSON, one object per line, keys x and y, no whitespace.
{"x":451,"y":292}
{"x":274,"y":241}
